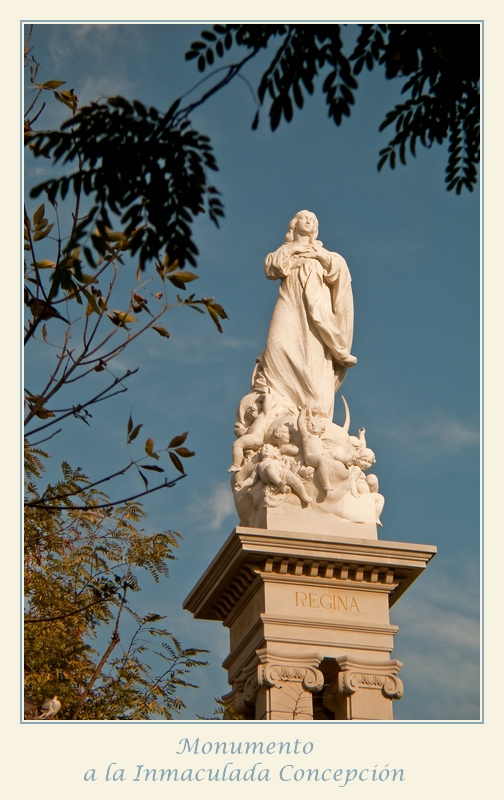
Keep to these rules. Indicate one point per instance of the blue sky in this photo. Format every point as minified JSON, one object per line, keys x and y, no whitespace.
{"x":413,"y":251}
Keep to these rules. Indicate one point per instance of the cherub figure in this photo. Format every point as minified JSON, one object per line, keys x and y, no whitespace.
{"x":280,"y":437}
{"x":358,"y":443}
{"x":311,"y":429}
{"x":248,"y":467}
{"x":363,"y":460}
{"x":275,"y":468}
{"x":254,"y":437}
{"x":366,"y":484}
{"x":372,"y":482}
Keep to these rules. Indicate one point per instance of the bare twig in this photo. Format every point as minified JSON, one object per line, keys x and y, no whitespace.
{"x":96,"y":399}
{"x":41,"y":441}
{"x":166,"y":485}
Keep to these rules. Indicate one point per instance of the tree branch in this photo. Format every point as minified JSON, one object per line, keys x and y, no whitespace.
{"x":113,"y":642}
{"x":82,"y":406}
{"x":28,"y":620}
{"x":166,"y":485}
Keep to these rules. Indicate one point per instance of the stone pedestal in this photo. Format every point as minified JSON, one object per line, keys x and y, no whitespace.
{"x":308,"y":614}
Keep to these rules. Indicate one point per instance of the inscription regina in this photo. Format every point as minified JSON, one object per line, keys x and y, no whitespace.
{"x":333,"y":602}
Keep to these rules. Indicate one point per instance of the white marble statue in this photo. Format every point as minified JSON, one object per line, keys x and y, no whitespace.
{"x":289,"y":455}
{"x":308,"y":346}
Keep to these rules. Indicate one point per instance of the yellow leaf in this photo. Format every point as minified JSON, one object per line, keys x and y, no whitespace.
{"x":43,"y":413}
{"x":52,"y":84}
{"x":162,"y":331}
{"x":42,"y":234}
{"x":39,"y":213}
{"x":114,"y":236}
{"x":45,"y":264}
{"x":120,"y":318}
{"x":185,"y":277}
{"x":149,"y":448}
{"x":92,"y":304}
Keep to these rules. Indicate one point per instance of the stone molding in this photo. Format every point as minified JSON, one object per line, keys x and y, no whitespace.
{"x":300,"y":668}
{"x":355,"y":675}
{"x":269,"y":669}
{"x":254,"y":553}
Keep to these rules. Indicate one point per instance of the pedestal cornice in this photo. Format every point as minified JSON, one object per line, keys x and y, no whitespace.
{"x":250,"y":552}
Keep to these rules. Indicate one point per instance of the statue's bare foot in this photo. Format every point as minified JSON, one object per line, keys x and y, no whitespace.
{"x":233,"y":468}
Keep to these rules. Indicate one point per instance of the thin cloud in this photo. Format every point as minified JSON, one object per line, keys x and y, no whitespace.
{"x":96,"y":40}
{"x":439,"y":645}
{"x":203,"y":348}
{"x":93,"y":89}
{"x":212,"y":509}
{"x":440,"y":437}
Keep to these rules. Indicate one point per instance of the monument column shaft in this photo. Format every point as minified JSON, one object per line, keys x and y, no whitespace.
{"x":285,"y":701}
{"x":308,"y":615}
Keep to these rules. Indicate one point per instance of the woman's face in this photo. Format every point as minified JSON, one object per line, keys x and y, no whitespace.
{"x":305,"y":224}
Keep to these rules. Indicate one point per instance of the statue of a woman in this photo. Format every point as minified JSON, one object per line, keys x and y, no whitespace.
{"x":310,"y":336}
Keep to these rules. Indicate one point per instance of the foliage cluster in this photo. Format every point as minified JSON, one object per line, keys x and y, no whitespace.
{"x":81,"y":572}
{"x":440,"y":65}
{"x":83,"y":549}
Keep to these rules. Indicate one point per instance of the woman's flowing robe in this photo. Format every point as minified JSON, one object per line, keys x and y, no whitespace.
{"x":310,"y":332}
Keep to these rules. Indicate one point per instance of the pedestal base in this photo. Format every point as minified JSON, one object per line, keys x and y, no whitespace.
{"x":309,"y":621}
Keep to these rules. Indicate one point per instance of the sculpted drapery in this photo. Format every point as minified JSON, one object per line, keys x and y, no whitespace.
{"x":293,"y":467}
{"x":308,"y":346}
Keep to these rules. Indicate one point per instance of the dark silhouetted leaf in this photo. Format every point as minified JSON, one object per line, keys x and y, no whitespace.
{"x":178,"y":440}
{"x":176,"y":462}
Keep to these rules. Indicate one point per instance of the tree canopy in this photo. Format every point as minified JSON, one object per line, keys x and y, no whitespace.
{"x":439,"y":64}
{"x":84,"y":550}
